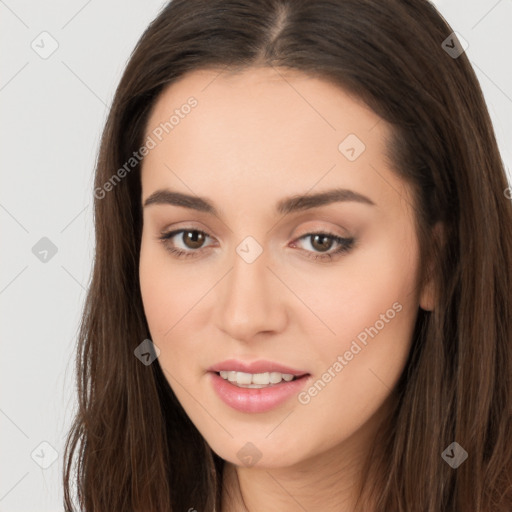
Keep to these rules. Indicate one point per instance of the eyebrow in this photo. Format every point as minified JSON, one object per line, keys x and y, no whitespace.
{"x":284,"y":206}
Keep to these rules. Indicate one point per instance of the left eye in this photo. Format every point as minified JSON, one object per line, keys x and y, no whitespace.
{"x":324,"y":241}
{"x":195,"y":238}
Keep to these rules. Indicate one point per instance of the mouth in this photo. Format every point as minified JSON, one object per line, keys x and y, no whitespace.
{"x":256,"y":386}
{"x":258,"y":380}
{"x":256,"y":392}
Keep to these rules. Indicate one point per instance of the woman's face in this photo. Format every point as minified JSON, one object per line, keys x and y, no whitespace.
{"x":229,"y":167}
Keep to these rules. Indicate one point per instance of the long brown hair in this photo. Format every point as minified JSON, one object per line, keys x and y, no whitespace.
{"x":136,"y":448}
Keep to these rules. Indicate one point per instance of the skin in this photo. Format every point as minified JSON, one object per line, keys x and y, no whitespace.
{"x":255,"y":138}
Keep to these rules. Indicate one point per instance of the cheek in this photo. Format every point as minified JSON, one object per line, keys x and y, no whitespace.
{"x":372,"y":309}
{"x":351,"y":295}
{"x":167,"y":293}
{"x":171,"y":298}
{"x":371,"y":305}
{"x":156,"y":290}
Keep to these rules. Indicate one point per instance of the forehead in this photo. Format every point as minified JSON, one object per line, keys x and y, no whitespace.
{"x":263,"y":129}
{"x":262,"y":97}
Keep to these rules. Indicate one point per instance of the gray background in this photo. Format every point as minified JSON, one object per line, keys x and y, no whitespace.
{"x":52,"y":112}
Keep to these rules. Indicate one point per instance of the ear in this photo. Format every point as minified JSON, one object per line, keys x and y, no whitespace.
{"x":428,"y":298}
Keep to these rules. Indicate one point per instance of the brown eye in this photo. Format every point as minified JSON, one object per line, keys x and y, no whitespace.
{"x":184,"y":243}
{"x":322,"y":242}
{"x":193,"y":239}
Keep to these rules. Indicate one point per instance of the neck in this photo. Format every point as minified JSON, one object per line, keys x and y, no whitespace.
{"x":328,"y":481}
{"x":292,"y":489}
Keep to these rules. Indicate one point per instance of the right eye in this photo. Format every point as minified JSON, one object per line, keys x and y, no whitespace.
{"x":194,"y":239}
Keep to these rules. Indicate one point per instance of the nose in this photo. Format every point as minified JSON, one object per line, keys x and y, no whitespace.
{"x":251,"y":300}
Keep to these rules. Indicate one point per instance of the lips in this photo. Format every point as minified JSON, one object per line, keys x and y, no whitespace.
{"x":250,"y":401}
{"x":261,"y":366}
{"x":258,"y":399}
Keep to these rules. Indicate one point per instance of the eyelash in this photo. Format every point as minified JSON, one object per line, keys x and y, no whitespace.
{"x":346,"y":244}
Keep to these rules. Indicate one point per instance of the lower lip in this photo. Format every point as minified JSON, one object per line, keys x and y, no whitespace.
{"x":253,"y":399}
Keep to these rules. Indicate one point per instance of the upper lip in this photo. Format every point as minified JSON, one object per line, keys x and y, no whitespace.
{"x":260,"y":366}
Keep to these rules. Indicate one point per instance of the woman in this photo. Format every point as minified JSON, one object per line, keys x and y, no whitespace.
{"x":301,"y":297}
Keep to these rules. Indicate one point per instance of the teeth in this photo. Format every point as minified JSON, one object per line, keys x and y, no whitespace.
{"x":255,"y":380}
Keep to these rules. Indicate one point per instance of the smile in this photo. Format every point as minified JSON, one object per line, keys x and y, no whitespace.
{"x":256,"y":380}
{"x":256,"y":398}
